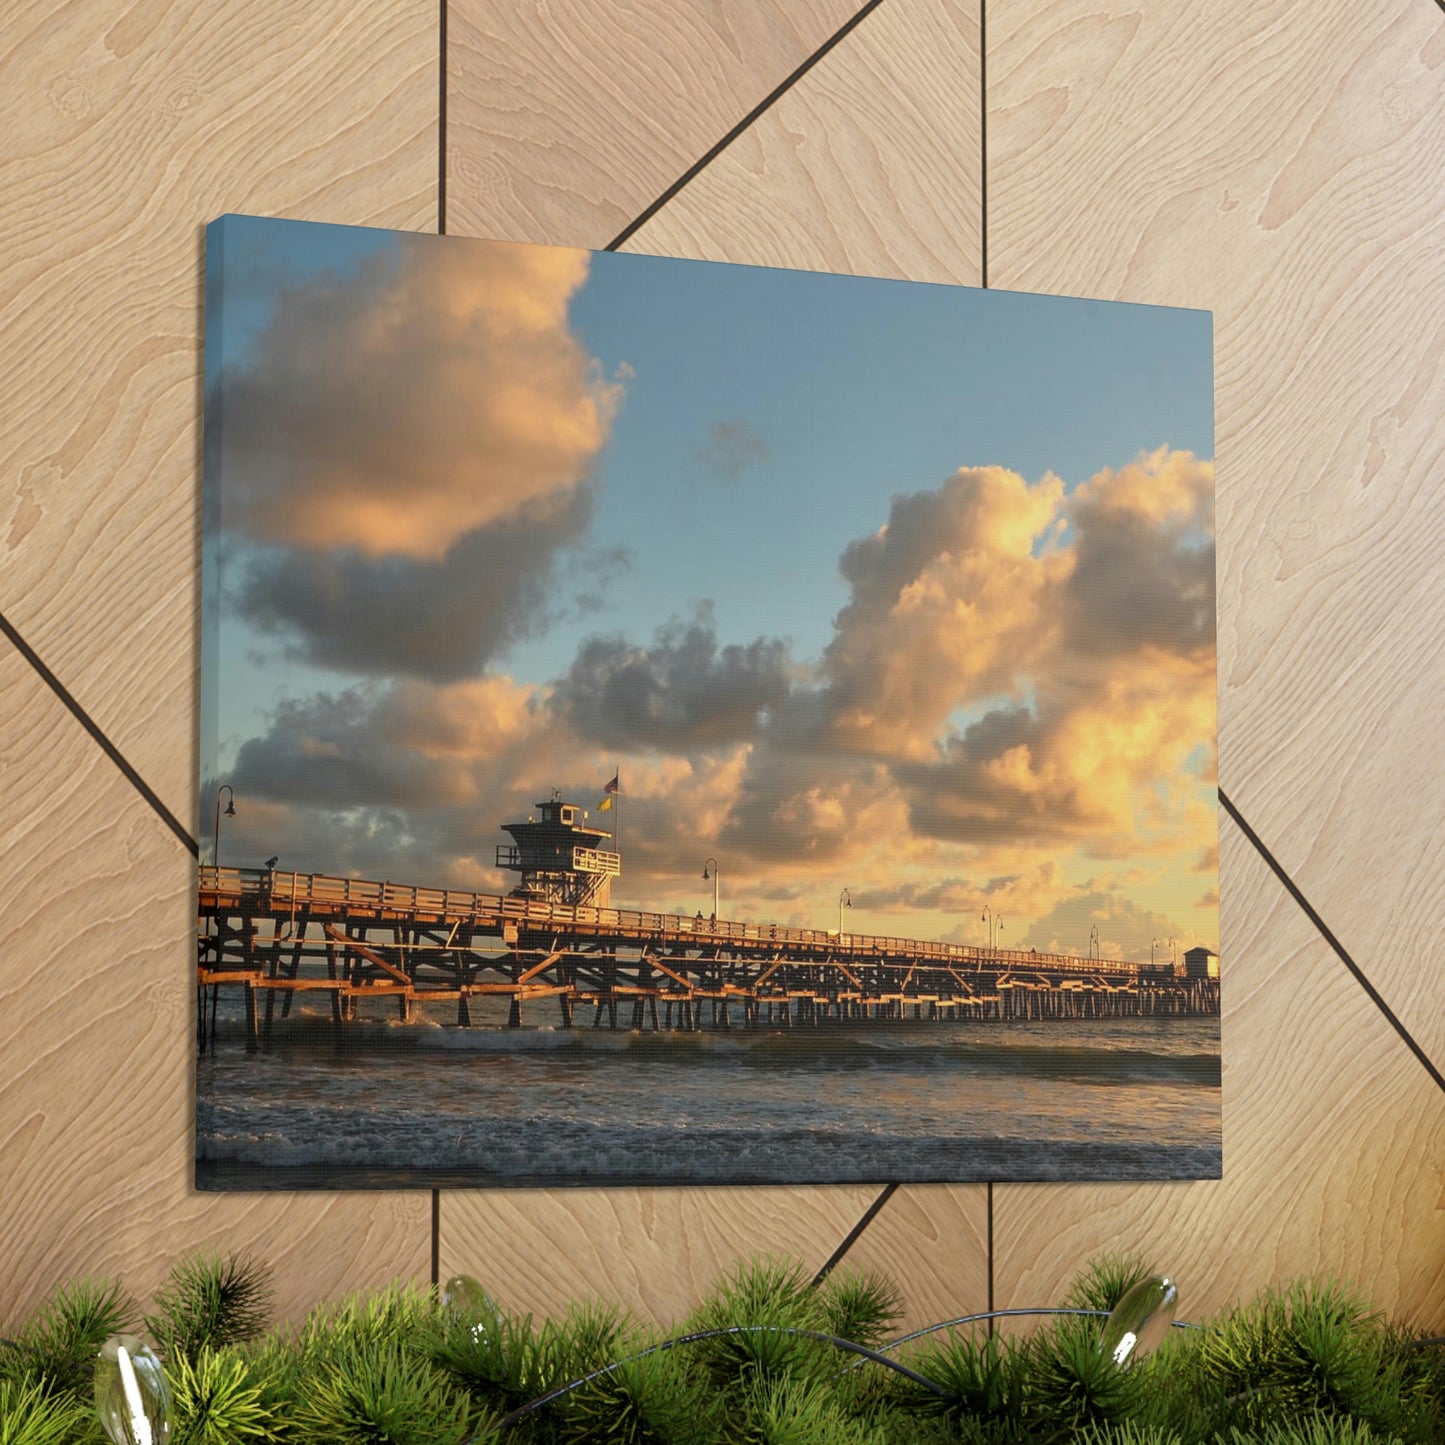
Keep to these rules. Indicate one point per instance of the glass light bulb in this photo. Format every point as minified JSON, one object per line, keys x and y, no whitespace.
{"x":131,"y":1393}
{"x":467,"y":1305}
{"x":1140,"y":1320}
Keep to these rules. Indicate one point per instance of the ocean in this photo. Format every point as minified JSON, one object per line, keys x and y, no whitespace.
{"x":429,"y":1105}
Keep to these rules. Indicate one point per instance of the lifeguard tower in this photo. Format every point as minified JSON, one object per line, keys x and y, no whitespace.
{"x":560,"y":858}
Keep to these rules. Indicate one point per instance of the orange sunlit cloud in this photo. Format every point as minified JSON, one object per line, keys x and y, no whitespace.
{"x":399,"y":410}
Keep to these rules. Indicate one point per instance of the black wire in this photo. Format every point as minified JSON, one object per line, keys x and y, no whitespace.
{"x":522,"y":1411}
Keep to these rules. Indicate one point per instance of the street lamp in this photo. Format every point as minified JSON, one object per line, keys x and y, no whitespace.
{"x":230,"y":813}
{"x":995,"y":924}
{"x":845,"y":900}
{"x":1153,"y":944}
{"x":712,"y":863}
{"x":1094,"y":942}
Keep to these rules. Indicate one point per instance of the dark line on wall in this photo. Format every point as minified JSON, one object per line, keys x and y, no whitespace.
{"x":442,"y":135}
{"x":851,"y":1238}
{"x":106,"y":746}
{"x":983,"y":168}
{"x":990,"y":1254}
{"x":436,"y":1236}
{"x":742,"y":125}
{"x":1294,"y":891}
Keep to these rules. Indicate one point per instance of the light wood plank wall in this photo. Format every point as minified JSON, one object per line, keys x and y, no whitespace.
{"x":1276,"y":164}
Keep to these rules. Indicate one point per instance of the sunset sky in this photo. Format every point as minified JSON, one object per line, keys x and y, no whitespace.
{"x":896,"y":587}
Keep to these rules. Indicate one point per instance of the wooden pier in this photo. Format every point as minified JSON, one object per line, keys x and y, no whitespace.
{"x":275,"y":935}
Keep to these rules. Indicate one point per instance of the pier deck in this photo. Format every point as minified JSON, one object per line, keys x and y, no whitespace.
{"x":274,"y":935}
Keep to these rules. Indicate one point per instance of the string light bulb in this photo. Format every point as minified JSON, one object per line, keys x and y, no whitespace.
{"x":468,"y":1306}
{"x":1140,"y":1320}
{"x":131,"y":1394}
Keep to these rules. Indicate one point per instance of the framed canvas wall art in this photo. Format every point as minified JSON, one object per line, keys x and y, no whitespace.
{"x":667,"y":723}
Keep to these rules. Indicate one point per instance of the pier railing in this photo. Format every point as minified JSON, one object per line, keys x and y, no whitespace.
{"x":277,"y":893}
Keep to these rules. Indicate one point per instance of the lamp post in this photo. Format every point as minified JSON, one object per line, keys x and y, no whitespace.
{"x":1094,"y":942}
{"x":230,"y":813}
{"x":1153,"y":944}
{"x":712,"y":863}
{"x":845,"y":900}
{"x":995,"y":925}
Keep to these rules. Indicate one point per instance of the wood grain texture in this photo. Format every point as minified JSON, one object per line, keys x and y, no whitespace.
{"x":127,"y":126}
{"x":932,"y":1241}
{"x":97,"y":1053}
{"x":656,"y":1251}
{"x":1334,"y":1144}
{"x":1280,"y":165}
{"x":566,"y":120}
{"x":869,"y":165}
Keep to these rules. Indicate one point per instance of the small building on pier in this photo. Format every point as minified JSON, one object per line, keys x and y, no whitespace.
{"x":1201,"y":963}
{"x":561,"y":858}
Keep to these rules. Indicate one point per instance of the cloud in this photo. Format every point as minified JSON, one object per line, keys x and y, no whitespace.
{"x":809,"y":811}
{"x":406,"y":451}
{"x":441,"y":619}
{"x":731,"y":449}
{"x":1126,"y":930}
{"x":1143,"y":570}
{"x":956,"y":745}
{"x":395,"y":410}
{"x":1080,"y":765}
{"x":947,"y":602}
{"x":681,"y":693}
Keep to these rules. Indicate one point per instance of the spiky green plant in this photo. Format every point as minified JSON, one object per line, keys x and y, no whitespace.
{"x":655,"y":1400}
{"x":399,"y":1312}
{"x":382,"y":1394}
{"x":1313,"y":1347}
{"x":1105,"y":1280}
{"x":786,"y":1411}
{"x":57,"y":1345}
{"x":765,"y":1304}
{"x":1072,"y":1383}
{"x":215,"y":1399}
{"x":210,"y":1300}
{"x":31,"y":1415}
{"x":984,"y":1375}
{"x":859,"y":1305}
{"x":1128,"y":1434}
{"x":1318,"y":1429}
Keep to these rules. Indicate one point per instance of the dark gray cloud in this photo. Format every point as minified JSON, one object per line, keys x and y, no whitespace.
{"x":964,"y":796}
{"x":684,"y":692}
{"x":731,"y":449}
{"x":804,"y":809}
{"x":1138,"y":584}
{"x":408,"y":616}
{"x":336,"y":751}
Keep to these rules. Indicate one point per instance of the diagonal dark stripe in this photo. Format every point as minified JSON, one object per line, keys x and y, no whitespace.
{"x":106,"y":746}
{"x":442,"y":133}
{"x":436,"y":1236}
{"x":990,"y":1254}
{"x":1294,"y":892}
{"x":774,"y":95}
{"x":983,"y":152}
{"x":851,"y":1238}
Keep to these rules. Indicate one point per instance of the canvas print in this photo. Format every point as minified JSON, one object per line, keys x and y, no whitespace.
{"x":667,"y":722}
